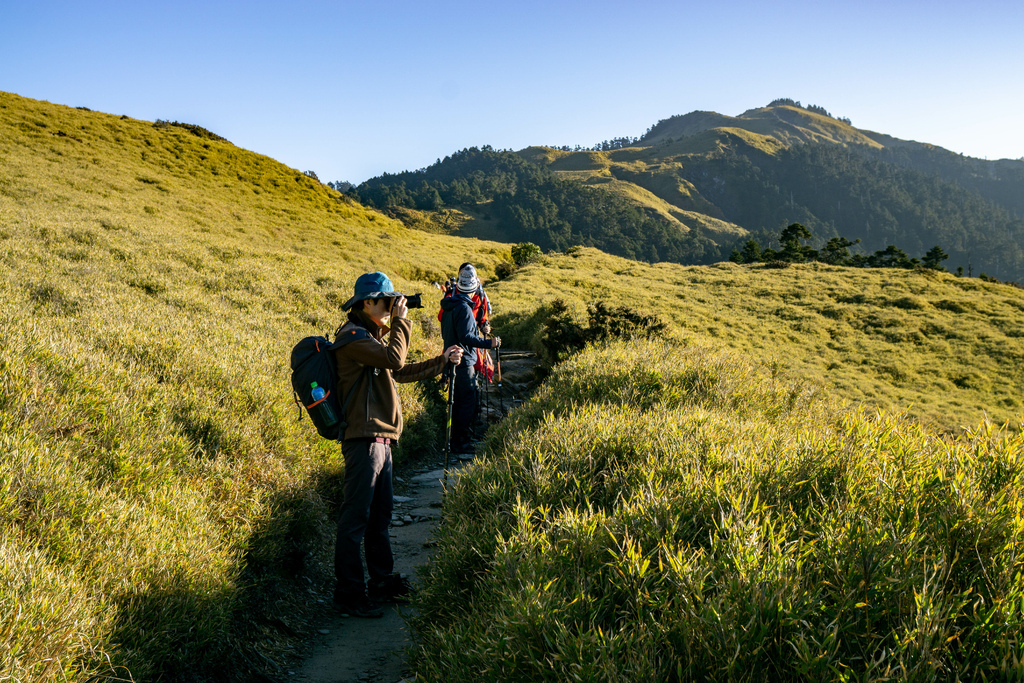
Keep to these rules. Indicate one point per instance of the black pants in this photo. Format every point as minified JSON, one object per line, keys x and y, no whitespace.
{"x":365,"y":517}
{"x":464,"y":407}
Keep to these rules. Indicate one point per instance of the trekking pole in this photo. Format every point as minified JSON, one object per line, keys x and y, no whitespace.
{"x":497,"y":361}
{"x":487,"y":382}
{"x":450,"y":368}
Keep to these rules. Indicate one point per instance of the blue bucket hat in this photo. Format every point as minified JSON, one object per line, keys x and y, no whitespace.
{"x":370,"y":286}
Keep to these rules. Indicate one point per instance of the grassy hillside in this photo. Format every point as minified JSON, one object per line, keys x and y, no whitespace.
{"x":757,"y":179}
{"x":155,"y":487}
{"x":646,"y":178}
{"x":668,"y":512}
{"x":947,"y":350}
{"x":162,"y":512}
{"x":532,"y":203}
{"x":785,"y":123}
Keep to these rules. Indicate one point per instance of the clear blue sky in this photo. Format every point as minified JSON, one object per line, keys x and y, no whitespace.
{"x":352,"y":90}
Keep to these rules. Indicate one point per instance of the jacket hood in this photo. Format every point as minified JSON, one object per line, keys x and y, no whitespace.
{"x":456,"y":299}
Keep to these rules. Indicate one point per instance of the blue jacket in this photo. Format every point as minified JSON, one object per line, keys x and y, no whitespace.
{"x":458,"y":326}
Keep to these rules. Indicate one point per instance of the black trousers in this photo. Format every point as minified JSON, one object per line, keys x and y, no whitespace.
{"x":365,"y":518}
{"x":465,"y":405}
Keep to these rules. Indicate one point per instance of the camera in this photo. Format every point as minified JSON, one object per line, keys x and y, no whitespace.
{"x":411,"y":300}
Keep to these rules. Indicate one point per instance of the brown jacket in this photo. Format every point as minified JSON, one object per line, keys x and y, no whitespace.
{"x":375,"y":409}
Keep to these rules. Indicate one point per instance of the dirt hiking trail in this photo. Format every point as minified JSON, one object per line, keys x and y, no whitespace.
{"x":351,"y":650}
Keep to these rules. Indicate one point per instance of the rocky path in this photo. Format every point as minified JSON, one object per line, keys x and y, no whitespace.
{"x":374,"y":650}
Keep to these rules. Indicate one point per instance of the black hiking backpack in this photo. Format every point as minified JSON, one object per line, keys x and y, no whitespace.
{"x":313,"y":362}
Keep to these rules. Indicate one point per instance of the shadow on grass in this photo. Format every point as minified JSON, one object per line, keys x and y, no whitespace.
{"x":251,"y":629}
{"x":248,"y":629}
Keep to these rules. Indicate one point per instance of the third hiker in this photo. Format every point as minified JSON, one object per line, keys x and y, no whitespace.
{"x":459,"y":328}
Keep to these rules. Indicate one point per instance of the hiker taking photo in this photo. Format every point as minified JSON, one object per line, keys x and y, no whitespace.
{"x":459,"y":327}
{"x":368,"y":367}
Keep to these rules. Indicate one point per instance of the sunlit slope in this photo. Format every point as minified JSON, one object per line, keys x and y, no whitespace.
{"x":648,"y":179}
{"x":945,"y":349}
{"x":154,"y":482}
{"x":651,"y":173}
{"x":660,"y":511}
{"x":786,"y":124}
{"x":109,"y":174}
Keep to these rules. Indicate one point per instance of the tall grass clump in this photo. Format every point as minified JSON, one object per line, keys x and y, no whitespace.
{"x":676,"y":513}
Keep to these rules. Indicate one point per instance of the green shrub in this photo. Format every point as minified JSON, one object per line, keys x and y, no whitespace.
{"x":562,"y":336}
{"x":504,"y":270}
{"x":198,"y":131}
{"x":524,"y":253}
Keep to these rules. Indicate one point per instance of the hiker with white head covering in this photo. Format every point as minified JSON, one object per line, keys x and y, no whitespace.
{"x":481,"y":303}
{"x":459,"y":328}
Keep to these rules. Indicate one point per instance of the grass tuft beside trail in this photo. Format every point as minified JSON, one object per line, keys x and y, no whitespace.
{"x":677,"y":513}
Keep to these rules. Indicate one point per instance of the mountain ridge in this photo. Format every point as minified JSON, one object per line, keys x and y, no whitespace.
{"x":787,"y":123}
{"x":702,"y":184}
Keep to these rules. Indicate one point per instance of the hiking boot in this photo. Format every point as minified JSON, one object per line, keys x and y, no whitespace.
{"x":394,"y":589}
{"x":359,"y":607}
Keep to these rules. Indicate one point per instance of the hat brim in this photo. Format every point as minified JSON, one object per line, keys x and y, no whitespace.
{"x":362,"y":297}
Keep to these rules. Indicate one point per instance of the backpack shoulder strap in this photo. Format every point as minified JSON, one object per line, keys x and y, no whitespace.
{"x":345,"y":335}
{"x":348,"y":334}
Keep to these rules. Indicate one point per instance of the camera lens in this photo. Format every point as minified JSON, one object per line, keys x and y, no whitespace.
{"x":414,"y":301}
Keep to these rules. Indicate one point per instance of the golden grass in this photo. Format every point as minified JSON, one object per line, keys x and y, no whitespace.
{"x":653,"y":167}
{"x":646,"y":177}
{"x":710,"y":224}
{"x":766,"y":128}
{"x":153,"y":283}
{"x":644,"y":198}
{"x":582,"y":161}
{"x":673,"y":512}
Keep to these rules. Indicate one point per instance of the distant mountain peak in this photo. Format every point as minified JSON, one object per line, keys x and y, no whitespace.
{"x":786,"y":120}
